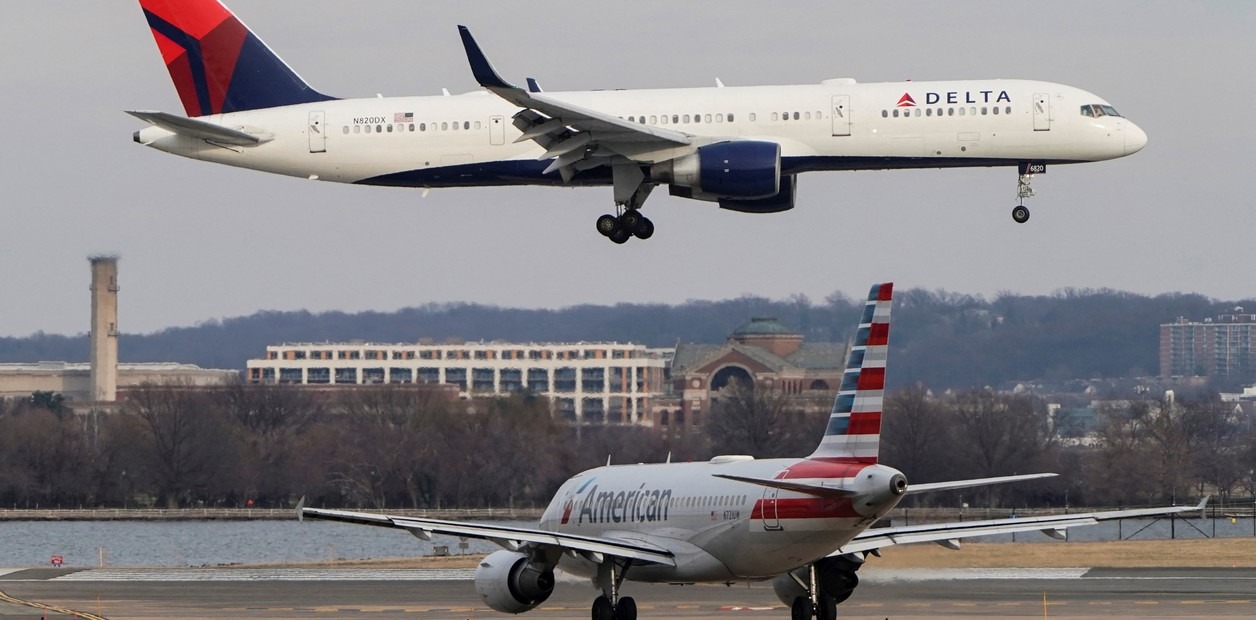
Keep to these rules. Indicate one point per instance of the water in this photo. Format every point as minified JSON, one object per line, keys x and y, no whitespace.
{"x":213,"y":543}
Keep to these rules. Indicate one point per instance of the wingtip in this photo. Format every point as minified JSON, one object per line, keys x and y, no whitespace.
{"x":481,"y":68}
{"x":301,"y":509}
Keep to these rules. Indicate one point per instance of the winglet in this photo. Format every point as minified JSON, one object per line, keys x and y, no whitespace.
{"x":301,"y":509}
{"x":1203,"y":506}
{"x":481,"y":68}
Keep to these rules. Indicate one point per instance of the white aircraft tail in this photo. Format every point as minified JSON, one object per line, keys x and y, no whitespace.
{"x":854,"y":430}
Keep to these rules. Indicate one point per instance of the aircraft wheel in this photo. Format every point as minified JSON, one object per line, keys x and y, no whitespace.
{"x":801,"y":609}
{"x":827,"y":609}
{"x":621,"y":235}
{"x":1020,"y":213}
{"x":602,"y":609}
{"x":644,"y":229}
{"x":607,"y":225}
{"x":626,"y":609}
{"x":631,"y":219}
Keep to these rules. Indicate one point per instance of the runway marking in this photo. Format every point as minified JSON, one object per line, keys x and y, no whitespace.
{"x":268,"y":574}
{"x":61,"y":610}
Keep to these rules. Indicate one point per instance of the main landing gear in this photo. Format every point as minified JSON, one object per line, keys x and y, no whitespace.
{"x":1020,"y":213}
{"x":630,"y":223}
{"x":611,"y":606}
{"x":817,"y":604}
{"x":631,"y":190}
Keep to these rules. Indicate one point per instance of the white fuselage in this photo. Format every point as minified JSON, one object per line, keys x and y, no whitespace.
{"x":720,"y":529}
{"x":469,"y":139}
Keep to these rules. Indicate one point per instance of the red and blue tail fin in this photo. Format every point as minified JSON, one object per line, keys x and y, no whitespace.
{"x":854,"y":430}
{"x":217,"y":64}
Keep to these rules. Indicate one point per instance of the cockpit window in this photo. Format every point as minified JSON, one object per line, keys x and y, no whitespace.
{"x":1096,"y":110}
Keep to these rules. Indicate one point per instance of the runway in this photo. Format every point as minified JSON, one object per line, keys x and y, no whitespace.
{"x":900,"y":594}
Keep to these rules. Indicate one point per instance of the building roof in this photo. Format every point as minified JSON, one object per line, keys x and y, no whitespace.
{"x":811,"y":356}
{"x":763,"y":326}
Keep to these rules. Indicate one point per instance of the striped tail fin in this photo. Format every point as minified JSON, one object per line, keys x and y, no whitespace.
{"x":218,"y":65}
{"x":854,"y":430}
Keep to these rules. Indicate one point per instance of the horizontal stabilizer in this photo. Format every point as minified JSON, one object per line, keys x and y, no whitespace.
{"x":809,"y":489}
{"x":975,"y":482}
{"x":200,"y":130}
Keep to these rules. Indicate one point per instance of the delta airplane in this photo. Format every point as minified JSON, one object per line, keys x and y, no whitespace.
{"x":803,"y":523}
{"x":740,"y":147}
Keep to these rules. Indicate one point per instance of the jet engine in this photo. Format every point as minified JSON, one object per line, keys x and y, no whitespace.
{"x":510,"y":582}
{"x":836,"y":575}
{"x":739,"y":169}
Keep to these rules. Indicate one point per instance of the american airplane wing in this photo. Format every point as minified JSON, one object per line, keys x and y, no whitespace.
{"x":949,"y":534}
{"x":510,"y":538}
{"x":576,"y":137}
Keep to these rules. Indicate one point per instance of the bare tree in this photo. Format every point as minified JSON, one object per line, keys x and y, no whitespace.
{"x":185,"y":447}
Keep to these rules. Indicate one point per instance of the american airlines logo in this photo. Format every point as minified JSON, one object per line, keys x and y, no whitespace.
{"x":640,"y":505}
{"x":955,"y":96}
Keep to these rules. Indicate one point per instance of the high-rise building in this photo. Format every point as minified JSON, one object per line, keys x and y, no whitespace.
{"x":1224,"y":347}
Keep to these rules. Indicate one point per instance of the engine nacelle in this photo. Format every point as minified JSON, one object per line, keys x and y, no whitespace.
{"x":836,"y":575}
{"x":511,"y":583}
{"x":739,"y":169}
{"x":782,"y":201}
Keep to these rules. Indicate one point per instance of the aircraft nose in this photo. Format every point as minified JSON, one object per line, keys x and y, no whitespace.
{"x":1135,"y":138}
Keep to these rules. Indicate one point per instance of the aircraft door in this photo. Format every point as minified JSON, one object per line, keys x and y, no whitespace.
{"x":841,"y":115}
{"x":1042,"y":112}
{"x":771,"y":518}
{"x":497,"y":130}
{"x":317,"y":133}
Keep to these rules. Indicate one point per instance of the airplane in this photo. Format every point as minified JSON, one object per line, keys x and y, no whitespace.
{"x":739,"y":147}
{"x":805,"y":524}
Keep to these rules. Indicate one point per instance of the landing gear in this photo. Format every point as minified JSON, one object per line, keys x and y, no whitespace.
{"x":611,"y":606}
{"x":628,"y":225}
{"x":1020,"y":213}
{"x":631,"y":190}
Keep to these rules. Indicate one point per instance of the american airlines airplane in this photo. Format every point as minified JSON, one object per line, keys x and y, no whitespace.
{"x":739,"y":147}
{"x":803,"y":523}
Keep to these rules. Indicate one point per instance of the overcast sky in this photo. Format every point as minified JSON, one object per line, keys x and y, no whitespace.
{"x":200,"y":241}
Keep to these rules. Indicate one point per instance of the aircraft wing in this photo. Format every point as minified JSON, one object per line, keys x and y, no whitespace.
{"x":577,"y":137}
{"x":512,"y":538}
{"x":201,"y":130}
{"x":948,"y":534}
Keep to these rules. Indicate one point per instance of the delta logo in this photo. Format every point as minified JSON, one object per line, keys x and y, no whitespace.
{"x":906,"y":101}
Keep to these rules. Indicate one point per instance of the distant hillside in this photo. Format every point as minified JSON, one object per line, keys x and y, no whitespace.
{"x":943,"y":339}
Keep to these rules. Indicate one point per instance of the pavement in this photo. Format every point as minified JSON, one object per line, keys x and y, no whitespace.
{"x":899,"y":594}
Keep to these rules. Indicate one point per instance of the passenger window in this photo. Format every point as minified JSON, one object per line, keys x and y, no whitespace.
{"x":675,"y":119}
{"x":390,"y":129}
{"x":972,"y":111}
{"x":961,"y":111}
{"x":357,"y":129}
{"x":1007,"y":110}
{"x":775,"y":116}
{"x":653,"y":119}
{"x":455,"y":125}
{"x":686,"y":118}
{"x":477,"y":124}
{"x":928,"y":111}
{"x":752,"y":117}
{"x":411,"y":127}
{"x":917,"y":111}
{"x":706,"y":118}
{"x":719,"y":118}
{"x":379,"y":129}
{"x":895,"y":113}
{"x":819,"y":115}
{"x":730,"y":117}
{"x":807,"y":116}
{"x":422,"y":126}
{"x":346,"y":130}
{"x":995,"y":109}
{"x":632,"y":119}
{"x":466,"y":124}
{"x":663,"y":119}
{"x":697,"y":118}
{"x":983,"y":110}
{"x":444,"y":126}
{"x":885,"y":113}
{"x":950,"y":111}
{"x":795,"y":116}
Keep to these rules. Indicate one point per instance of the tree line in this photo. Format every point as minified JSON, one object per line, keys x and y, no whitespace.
{"x":395,"y":446}
{"x":1074,"y":333}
